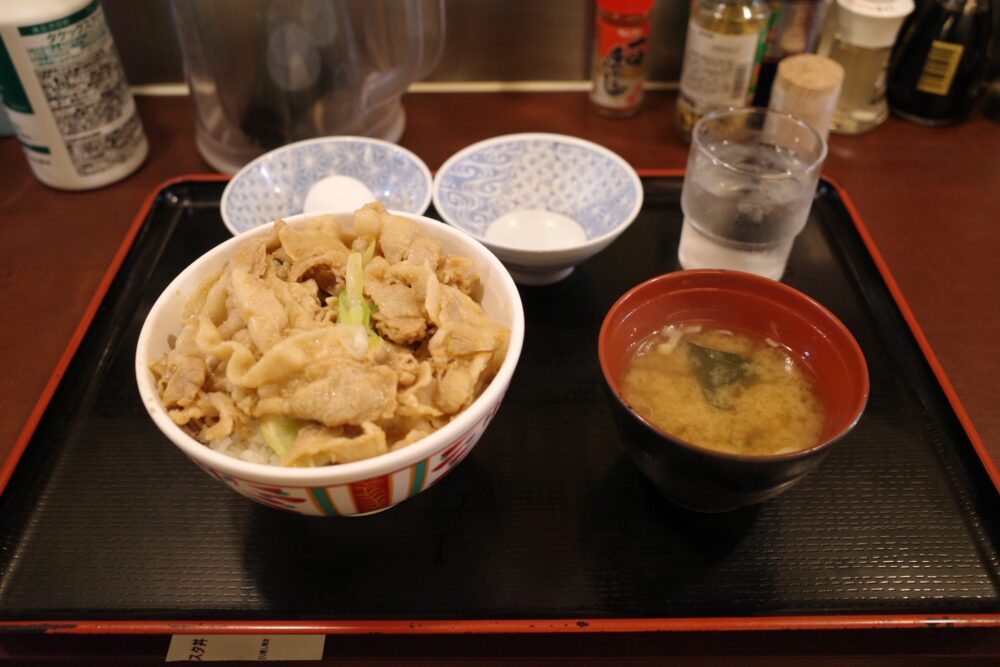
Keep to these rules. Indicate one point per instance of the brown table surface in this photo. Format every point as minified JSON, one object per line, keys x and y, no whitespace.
{"x":930,"y":197}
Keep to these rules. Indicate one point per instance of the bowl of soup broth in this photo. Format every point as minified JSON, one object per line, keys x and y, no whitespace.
{"x":728,"y":388}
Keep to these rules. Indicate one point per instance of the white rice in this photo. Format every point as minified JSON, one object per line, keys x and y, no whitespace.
{"x":254,"y":451}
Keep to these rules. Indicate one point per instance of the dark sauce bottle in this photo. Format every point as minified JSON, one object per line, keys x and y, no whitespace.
{"x":938,"y":64}
{"x":793,"y":28}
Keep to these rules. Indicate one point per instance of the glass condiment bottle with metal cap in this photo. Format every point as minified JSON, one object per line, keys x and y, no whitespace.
{"x":865,"y":33}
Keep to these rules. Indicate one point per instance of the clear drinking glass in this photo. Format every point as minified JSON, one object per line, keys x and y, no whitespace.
{"x":751,"y":177}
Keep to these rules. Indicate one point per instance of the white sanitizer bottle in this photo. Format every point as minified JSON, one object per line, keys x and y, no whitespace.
{"x":65,"y":93}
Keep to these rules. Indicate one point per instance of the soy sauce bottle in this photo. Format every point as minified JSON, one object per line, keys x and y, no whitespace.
{"x":792,"y":29}
{"x":937,"y":66}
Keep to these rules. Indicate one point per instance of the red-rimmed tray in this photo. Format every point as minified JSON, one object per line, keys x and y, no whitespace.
{"x":546,"y":527}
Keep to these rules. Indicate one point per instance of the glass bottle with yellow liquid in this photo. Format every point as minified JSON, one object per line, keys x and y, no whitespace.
{"x":725,"y":42}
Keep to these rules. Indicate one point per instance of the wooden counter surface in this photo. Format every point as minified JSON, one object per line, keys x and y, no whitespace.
{"x":930,"y":197}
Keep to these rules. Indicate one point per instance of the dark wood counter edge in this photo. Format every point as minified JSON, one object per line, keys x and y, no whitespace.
{"x":493,"y":626}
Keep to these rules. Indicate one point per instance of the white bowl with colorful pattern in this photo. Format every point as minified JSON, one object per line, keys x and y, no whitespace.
{"x":279,"y":182}
{"x":346,"y":489}
{"x":542,"y":202}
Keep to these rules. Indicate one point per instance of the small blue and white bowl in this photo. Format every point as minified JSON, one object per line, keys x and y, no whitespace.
{"x":277,"y":183}
{"x":543,"y":203}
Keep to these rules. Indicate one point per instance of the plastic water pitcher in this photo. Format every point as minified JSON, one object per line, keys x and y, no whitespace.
{"x":264,"y":73}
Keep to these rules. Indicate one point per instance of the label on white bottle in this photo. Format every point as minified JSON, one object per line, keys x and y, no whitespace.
{"x":68,"y":100}
{"x":718,"y":68}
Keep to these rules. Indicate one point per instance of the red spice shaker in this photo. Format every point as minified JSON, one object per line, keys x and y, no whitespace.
{"x":621,"y":49}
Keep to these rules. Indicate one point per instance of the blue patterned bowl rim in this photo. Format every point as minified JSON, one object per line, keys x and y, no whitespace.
{"x":409,"y":156}
{"x":546,"y":137}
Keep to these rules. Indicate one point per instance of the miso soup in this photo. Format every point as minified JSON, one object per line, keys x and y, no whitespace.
{"x":724,"y":390}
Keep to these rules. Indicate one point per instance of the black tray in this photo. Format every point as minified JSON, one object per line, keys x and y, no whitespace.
{"x":105,"y":525}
